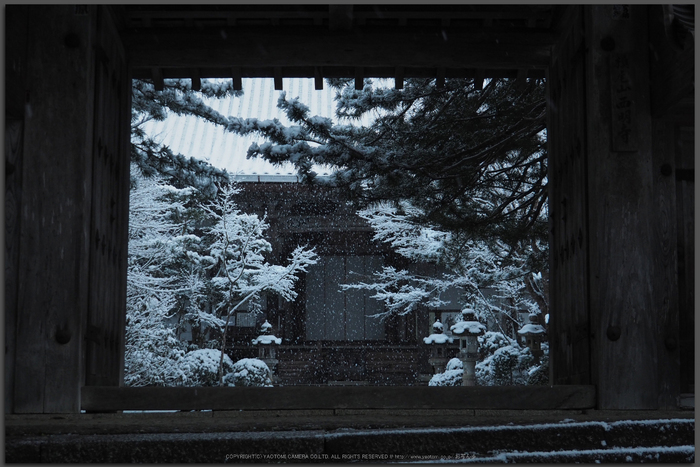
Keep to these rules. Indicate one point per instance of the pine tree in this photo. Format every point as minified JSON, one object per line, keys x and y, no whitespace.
{"x":473,"y":161}
{"x":471,"y":266}
{"x":178,"y":98}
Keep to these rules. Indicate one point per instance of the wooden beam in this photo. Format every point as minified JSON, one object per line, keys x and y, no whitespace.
{"x":359,"y":78}
{"x":237,"y":78}
{"x":334,"y":72}
{"x":318,"y":78}
{"x":340,"y":17}
{"x":369,"y":47}
{"x":278,"y":78}
{"x":398,"y":79}
{"x":96,"y":398}
{"x":157,"y":76}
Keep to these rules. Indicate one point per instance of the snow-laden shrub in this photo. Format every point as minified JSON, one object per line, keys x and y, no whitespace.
{"x":452,"y":375}
{"x":249,"y":372}
{"x":539,"y":375}
{"x":202,"y":367}
{"x":503,"y":364}
{"x":448,"y":378}
{"x":482,"y":372}
{"x":509,"y":365}
{"x":492,"y":341}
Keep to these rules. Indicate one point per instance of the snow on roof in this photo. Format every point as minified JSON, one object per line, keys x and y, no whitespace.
{"x":194,"y":137}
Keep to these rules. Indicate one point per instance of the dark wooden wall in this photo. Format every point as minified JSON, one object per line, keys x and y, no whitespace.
{"x":69,"y":197}
{"x":619,"y":220}
{"x":54,"y":208}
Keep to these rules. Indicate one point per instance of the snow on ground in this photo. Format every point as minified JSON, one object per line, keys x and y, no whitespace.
{"x":540,"y":426}
{"x":635,"y":454}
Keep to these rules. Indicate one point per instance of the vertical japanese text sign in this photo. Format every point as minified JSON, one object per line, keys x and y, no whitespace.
{"x":624,"y":124}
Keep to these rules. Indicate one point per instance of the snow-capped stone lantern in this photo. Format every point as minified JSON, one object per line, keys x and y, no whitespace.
{"x":468,"y":330}
{"x":534,"y":333}
{"x":267,"y":346}
{"x":438,"y":341}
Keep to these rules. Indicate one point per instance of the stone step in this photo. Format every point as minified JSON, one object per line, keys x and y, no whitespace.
{"x":660,"y":440}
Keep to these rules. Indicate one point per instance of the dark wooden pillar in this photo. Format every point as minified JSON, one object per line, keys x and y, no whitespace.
{"x":672,"y":87}
{"x":569,"y":328}
{"x":69,"y":143}
{"x":104,"y":332}
{"x":615,"y":255}
{"x":54,"y":211}
{"x":625,"y":334}
{"x":16,"y":23}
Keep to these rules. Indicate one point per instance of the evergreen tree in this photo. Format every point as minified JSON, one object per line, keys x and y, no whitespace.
{"x":472,"y":161}
{"x":153,"y":354}
{"x":200,"y":260}
{"x":471,"y":266}
{"x":179,"y":98}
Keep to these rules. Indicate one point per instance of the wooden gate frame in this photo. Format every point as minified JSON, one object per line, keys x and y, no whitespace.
{"x":67,"y":268}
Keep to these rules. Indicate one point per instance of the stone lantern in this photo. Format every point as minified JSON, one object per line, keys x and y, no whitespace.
{"x":534,"y":333}
{"x":438,"y":341}
{"x":267,"y":347}
{"x":468,"y":330}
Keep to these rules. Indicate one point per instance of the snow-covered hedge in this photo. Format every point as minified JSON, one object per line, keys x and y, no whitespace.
{"x":249,"y":372}
{"x":202,"y":367}
{"x":448,"y":378}
{"x":452,"y":375}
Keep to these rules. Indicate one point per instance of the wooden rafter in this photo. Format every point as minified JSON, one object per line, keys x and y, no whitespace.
{"x":237,"y":78}
{"x":318,"y":78}
{"x":196,"y":80}
{"x":479,"y":79}
{"x":398,"y":79}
